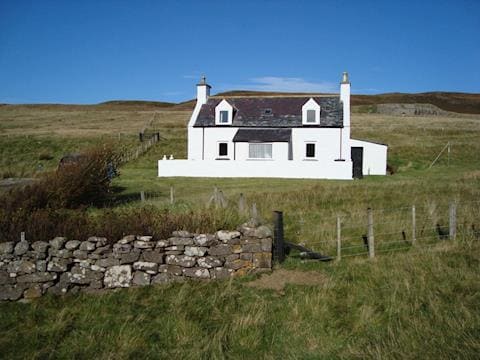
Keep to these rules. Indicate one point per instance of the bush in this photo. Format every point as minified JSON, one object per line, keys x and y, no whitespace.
{"x":57,"y":205}
{"x":85,"y":182}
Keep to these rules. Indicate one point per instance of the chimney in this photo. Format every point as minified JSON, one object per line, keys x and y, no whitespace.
{"x":345,"y":98}
{"x":203,"y":91}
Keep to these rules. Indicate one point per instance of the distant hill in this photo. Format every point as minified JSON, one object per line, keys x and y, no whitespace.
{"x":140,"y":103}
{"x":464,"y":103}
{"x":449,"y":101}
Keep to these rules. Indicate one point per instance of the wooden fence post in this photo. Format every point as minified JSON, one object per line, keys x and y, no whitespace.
{"x":371,"y":240}
{"x":339,"y":239}
{"x":414,"y":225}
{"x":241,"y":204}
{"x":22,"y":236}
{"x":254,"y":213}
{"x":278,"y":241}
{"x":172,"y":193}
{"x":142,"y":196}
{"x":453,"y":221}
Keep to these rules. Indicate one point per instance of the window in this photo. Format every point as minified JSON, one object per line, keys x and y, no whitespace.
{"x":260,"y":151}
{"x":310,"y":151}
{"x":267,"y":112}
{"x":311,"y":116}
{"x":224,"y":117}
{"x":222,"y":149}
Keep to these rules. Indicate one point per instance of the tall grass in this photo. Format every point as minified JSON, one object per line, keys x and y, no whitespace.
{"x":421,"y":304}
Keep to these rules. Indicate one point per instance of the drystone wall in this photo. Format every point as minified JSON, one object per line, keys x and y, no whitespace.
{"x":60,"y":266}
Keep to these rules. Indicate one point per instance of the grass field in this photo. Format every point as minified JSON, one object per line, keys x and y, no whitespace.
{"x":419,"y":303}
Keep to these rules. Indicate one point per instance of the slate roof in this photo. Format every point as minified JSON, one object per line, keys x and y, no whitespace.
{"x":263,"y":135}
{"x":285,"y":111}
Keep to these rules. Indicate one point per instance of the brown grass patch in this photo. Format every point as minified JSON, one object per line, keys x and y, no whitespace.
{"x":279,"y":278}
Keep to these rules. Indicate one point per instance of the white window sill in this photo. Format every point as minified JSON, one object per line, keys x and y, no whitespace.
{"x":310,"y":159}
{"x":222,"y":158}
{"x":256,"y":159}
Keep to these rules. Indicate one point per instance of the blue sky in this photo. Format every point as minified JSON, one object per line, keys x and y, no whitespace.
{"x":93,"y":51}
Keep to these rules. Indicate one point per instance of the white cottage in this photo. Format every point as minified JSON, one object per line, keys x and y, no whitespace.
{"x":275,"y":136}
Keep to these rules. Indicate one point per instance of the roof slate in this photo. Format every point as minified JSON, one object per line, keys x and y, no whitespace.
{"x":286,"y":112}
{"x":263,"y":135}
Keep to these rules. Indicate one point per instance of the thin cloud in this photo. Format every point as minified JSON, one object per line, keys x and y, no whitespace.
{"x":290,"y":84}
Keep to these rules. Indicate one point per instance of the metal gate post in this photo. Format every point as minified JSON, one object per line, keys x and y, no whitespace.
{"x":278,"y":241}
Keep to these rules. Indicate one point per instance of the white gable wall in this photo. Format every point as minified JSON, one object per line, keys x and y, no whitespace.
{"x":194,"y":139}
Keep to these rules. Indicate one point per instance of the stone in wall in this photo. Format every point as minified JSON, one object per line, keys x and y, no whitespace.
{"x":118,"y":276}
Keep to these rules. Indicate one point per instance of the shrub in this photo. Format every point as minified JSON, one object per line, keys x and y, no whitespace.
{"x":81,"y":183}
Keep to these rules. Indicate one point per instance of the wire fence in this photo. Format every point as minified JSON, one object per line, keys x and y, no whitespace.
{"x":148,"y":136}
{"x":388,"y":230}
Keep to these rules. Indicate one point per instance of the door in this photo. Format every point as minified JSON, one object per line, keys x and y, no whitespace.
{"x":357,"y":160}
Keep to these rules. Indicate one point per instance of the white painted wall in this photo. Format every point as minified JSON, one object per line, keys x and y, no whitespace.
{"x":327,"y":143}
{"x":215,"y":135}
{"x":194,"y":143}
{"x":374,"y":157}
{"x":256,"y":169}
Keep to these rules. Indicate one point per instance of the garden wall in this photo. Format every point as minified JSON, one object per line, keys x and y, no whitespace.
{"x":60,"y":266}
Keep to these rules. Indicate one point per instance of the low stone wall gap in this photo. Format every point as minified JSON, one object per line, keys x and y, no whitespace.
{"x":60,"y":266}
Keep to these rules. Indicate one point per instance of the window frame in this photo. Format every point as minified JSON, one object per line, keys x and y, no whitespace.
{"x":314,"y":120}
{"x":307,"y":144}
{"x":266,"y":145}
{"x":221,"y":117}
{"x":219,"y":148}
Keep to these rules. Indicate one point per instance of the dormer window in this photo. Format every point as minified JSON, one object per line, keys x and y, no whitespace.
{"x":311,"y":113}
{"x":267,"y":112}
{"x":224,"y":117}
{"x":223,"y":113}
